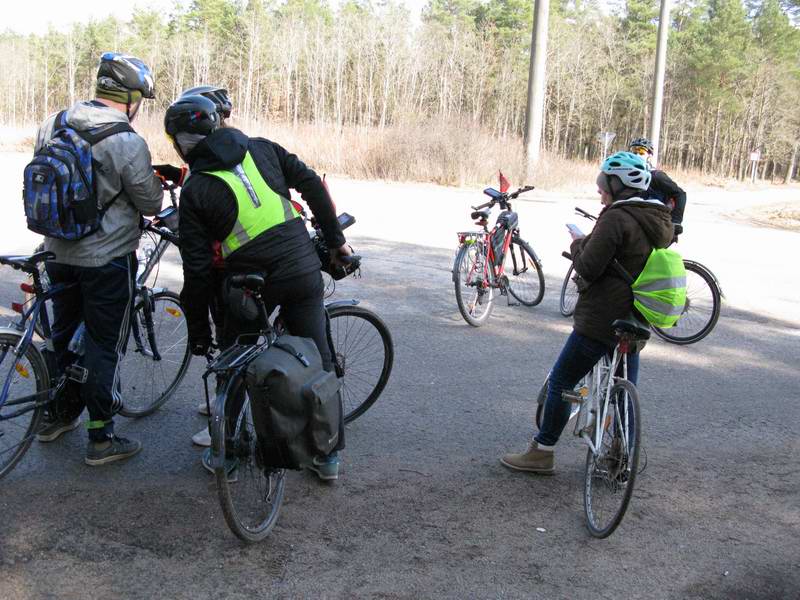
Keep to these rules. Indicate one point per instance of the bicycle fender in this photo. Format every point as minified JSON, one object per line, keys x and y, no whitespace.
{"x":706,"y":270}
{"x":329,"y":306}
{"x":538,"y":260}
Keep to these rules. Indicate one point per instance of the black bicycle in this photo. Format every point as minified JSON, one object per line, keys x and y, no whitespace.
{"x":363,"y":354}
{"x":700,"y":312}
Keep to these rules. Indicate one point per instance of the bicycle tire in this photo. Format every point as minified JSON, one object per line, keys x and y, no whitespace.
{"x":701,"y":311}
{"x":242,"y":446}
{"x":616,"y":470}
{"x":142,"y":394}
{"x":373,"y":356}
{"x":530,"y":260}
{"x":12,"y":449}
{"x":482,"y":296}
{"x":569,"y":294}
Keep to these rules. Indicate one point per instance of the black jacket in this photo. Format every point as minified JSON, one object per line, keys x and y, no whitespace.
{"x":663,"y":188}
{"x":208,"y":212}
{"x":628,"y":230}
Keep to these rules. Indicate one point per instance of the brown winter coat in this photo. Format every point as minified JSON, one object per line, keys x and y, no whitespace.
{"x":617,"y":234}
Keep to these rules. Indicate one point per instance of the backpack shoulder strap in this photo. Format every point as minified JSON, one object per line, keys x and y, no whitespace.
{"x":94,"y":136}
{"x":60,"y":121}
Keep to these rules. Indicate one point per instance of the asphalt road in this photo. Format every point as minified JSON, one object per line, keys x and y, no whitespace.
{"x":423,"y":508}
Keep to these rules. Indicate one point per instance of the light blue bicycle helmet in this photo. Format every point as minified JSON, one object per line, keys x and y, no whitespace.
{"x":630,"y":168}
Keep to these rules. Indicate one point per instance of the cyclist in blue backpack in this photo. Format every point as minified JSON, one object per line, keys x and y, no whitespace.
{"x":627,"y":229}
{"x":101,"y":263}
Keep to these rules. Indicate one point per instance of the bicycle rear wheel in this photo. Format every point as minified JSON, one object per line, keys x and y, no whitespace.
{"x":569,"y":294}
{"x":611,"y":470}
{"x":702,"y":308}
{"x":27,"y":379}
{"x":250,"y":494}
{"x":474,"y":295}
{"x":525,"y":277}
{"x":364,"y":354}
{"x":158,"y":354}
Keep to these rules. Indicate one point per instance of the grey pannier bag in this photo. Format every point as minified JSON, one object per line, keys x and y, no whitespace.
{"x":296,"y":405}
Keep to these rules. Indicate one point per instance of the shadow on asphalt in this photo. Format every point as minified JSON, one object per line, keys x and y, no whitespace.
{"x":423,"y":508}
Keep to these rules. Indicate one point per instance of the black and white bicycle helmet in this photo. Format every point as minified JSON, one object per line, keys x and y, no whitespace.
{"x":219,"y":96}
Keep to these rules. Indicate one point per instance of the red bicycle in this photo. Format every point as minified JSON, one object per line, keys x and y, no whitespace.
{"x":495,"y":260}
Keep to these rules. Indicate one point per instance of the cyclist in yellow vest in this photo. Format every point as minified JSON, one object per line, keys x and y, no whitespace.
{"x":238,"y":194}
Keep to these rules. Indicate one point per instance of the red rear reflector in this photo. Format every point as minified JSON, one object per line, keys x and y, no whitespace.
{"x":27,"y":288}
{"x":17,"y":307}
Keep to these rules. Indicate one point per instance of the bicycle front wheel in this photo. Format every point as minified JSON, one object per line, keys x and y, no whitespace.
{"x":364,"y":356}
{"x":472,"y":277}
{"x":250,"y":494}
{"x":702,"y":308}
{"x":611,"y":468}
{"x":21,"y":410}
{"x":569,"y":294}
{"x":158,"y":354}
{"x":525,"y":277}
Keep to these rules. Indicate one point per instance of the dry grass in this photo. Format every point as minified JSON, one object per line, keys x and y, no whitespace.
{"x":440,"y":152}
{"x":446,"y":153}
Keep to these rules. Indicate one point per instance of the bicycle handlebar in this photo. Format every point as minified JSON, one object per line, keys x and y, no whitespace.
{"x":505,"y":197}
{"x":583,"y":213}
{"x":566,"y":255}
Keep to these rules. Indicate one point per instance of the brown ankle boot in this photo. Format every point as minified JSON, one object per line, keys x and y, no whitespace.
{"x":533,"y":460}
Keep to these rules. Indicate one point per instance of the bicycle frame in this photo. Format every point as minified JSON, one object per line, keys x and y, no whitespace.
{"x":601,"y":379}
{"x":34,"y":313}
{"x":498,"y":267}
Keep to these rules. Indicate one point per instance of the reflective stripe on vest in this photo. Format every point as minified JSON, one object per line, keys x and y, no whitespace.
{"x":260,"y":207}
{"x":659,"y":293}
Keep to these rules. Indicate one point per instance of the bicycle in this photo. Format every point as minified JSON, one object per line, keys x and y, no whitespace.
{"x":700,"y":313}
{"x":613,"y":440}
{"x":482,"y":258}
{"x":252,"y":514}
{"x":28,"y":388}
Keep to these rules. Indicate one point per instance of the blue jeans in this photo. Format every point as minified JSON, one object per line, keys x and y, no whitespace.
{"x":577,"y":358}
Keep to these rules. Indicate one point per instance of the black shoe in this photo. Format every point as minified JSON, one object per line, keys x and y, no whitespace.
{"x":116,"y":448}
{"x":52,"y":430}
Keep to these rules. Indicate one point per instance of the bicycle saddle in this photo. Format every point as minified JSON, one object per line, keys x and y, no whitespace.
{"x":632,"y":327}
{"x":27,"y":263}
{"x":479,"y":214}
{"x":253,"y":282}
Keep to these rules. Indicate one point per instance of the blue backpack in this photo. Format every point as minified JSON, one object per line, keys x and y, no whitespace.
{"x":59,"y":191}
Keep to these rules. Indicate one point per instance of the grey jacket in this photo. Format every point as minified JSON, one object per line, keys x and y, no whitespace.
{"x":124,"y":164}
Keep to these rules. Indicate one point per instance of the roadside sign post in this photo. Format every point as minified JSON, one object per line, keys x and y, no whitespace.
{"x":755,"y":156}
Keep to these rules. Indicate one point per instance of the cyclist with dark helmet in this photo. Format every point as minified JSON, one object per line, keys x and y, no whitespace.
{"x":662,"y":187}
{"x":219,"y":96}
{"x":238,"y":194}
{"x":102,"y":266}
{"x":627,"y":229}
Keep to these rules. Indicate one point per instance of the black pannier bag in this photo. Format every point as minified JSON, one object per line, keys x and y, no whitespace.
{"x":296,"y":405}
{"x":508,"y":221}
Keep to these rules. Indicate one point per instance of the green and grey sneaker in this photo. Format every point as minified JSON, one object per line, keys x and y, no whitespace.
{"x":116,"y":448}
{"x":53,"y":430}
{"x":326,"y":467}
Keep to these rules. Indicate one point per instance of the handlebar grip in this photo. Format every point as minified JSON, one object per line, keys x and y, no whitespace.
{"x":566,"y":255}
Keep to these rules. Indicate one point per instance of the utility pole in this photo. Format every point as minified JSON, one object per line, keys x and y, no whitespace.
{"x":534,"y":113}
{"x":658,"y":81}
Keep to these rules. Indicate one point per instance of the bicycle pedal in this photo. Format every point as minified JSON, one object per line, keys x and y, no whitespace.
{"x":77,"y":373}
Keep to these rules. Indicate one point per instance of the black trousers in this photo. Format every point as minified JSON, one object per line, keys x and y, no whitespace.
{"x":102,"y":298}
{"x":302,"y":311}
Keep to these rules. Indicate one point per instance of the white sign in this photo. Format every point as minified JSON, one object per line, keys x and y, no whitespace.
{"x":755,"y":156}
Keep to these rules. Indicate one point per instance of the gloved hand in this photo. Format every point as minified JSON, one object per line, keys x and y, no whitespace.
{"x":337,"y":253}
{"x":171,"y":173}
{"x":200,"y":347}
